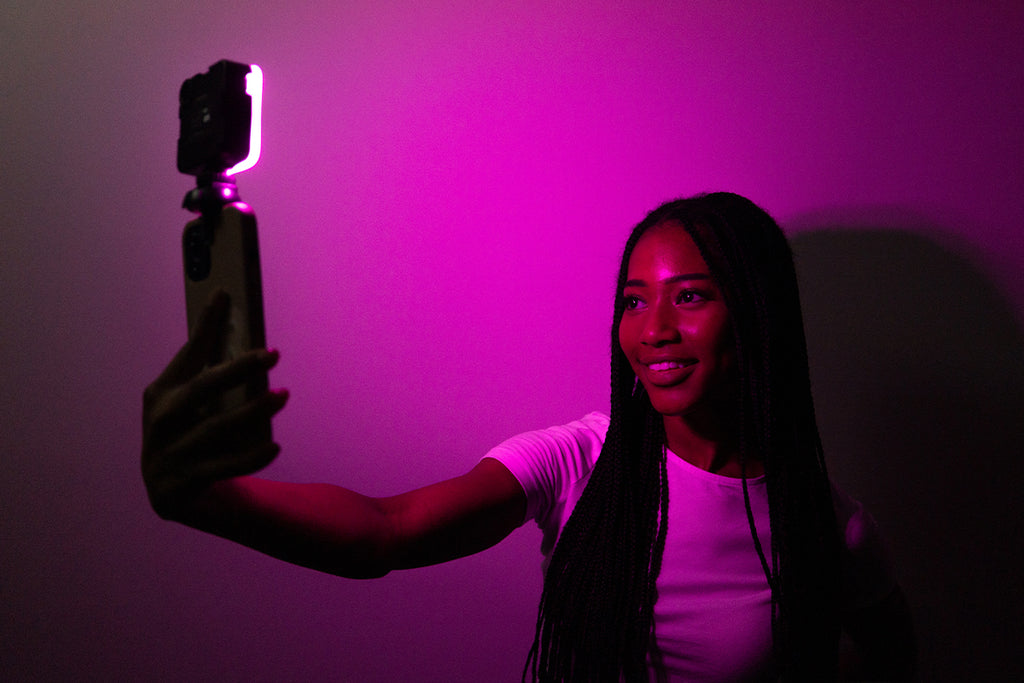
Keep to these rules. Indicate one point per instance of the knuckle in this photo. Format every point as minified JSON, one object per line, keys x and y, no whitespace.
{"x":150,"y":395}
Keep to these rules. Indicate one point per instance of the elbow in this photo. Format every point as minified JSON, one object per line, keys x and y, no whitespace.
{"x":896,"y":660}
{"x":361,"y":561}
{"x":897,"y":663}
{"x":371,"y":556}
{"x":892,"y":661}
{"x":885,"y":641}
{"x":371,"y":567}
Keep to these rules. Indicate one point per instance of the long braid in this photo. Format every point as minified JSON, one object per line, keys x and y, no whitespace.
{"x":596,"y":616}
{"x":601,"y":579}
{"x":778,"y":424}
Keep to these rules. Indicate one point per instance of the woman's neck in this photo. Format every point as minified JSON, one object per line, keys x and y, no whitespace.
{"x":708,"y":442}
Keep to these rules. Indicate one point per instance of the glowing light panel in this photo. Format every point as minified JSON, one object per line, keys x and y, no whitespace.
{"x":253,"y":88}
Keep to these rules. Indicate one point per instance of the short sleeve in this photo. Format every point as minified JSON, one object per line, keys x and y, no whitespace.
{"x":550,"y":464}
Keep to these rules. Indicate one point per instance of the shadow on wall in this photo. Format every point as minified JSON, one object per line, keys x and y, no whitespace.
{"x":918,"y":370}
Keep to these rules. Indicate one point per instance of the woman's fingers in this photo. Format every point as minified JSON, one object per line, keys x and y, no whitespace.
{"x":187,"y":443}
{"x":183,"y":413}
{"x":204,"y":338}
{"x":223,"y":445}
{"x":214,"y":381}
{"x":219,"y":447}
{"x":177,"y":408}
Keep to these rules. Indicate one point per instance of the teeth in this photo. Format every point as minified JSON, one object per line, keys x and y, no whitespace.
{"x":667,"y":365}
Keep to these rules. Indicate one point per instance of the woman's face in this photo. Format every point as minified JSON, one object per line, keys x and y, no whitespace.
{"x":675,"y":330}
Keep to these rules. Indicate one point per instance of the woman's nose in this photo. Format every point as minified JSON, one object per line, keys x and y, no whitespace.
{"x":660,"y":326}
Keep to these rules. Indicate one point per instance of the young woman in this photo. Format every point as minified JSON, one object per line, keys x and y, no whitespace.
{"x":692,"y":534}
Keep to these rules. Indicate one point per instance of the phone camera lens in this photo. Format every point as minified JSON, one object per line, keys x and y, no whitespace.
{"x":196,"y":245}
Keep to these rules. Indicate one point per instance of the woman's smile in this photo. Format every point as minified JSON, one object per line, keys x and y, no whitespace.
{"x":665,"y":373}
{"x":675,"y":329}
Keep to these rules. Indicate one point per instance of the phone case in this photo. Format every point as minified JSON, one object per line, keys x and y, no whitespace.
{"x":221,"y":251}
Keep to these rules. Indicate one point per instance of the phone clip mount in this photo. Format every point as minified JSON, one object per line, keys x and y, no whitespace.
{"x":211,"y":193}
{"x":220,"y":113}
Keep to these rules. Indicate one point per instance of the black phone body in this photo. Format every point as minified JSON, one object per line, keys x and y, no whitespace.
{"x":219,"y":113}
{"x":221,"y":252}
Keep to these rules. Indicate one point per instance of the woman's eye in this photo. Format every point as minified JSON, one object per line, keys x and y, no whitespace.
{"x":632,"y":302}
{"x":690,"y":296}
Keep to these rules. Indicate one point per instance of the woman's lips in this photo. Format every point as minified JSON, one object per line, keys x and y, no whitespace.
{"x":663,"y":373}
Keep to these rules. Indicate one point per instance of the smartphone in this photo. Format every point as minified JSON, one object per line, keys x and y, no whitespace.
{"x":221,"y":252}
{"x":220,"y":114}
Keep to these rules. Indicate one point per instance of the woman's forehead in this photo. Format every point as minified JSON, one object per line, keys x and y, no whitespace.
{"x":665,"y":250}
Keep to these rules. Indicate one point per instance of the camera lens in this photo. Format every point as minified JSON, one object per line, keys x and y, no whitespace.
{"x":196,"y":247}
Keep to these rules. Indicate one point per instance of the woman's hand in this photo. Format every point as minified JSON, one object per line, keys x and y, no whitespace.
{"x":185,"y":447}
{"x":193,"y":462}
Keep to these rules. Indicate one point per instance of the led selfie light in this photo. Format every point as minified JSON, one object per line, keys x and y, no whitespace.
{"x":254,"y":89}
{"x":221,"y":116}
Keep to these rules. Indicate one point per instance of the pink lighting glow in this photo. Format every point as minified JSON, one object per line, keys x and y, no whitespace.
{"x":443,"y":194}
{"x":253,"y":88}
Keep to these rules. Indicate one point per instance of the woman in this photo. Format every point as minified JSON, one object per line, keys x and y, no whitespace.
{"x":698,"y":536}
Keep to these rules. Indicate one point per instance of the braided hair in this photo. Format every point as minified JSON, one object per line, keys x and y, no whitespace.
{"x":596,"y":616}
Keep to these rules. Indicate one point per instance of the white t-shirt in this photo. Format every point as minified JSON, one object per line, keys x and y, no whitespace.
{"x":713,"y":614}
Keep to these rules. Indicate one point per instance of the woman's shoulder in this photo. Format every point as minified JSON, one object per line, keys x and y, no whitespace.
{"x":549,"y":462}
{"x":577,"y":442}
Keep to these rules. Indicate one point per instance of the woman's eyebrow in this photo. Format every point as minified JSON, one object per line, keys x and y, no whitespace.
{"x":671,"y":280}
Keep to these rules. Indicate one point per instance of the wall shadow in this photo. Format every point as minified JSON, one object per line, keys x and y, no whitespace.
{"x":917,"y":363}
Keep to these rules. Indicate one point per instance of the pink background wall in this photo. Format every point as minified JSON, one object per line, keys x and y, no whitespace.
{"x":443,"y":195}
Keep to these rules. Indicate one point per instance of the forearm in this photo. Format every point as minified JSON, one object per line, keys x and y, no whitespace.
{"x":319,"y":526}
{"x":341,"y":532}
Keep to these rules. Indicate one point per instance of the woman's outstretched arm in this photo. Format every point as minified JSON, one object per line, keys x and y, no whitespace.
{"x":196,"y":469}
{"x":341,"y":532}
